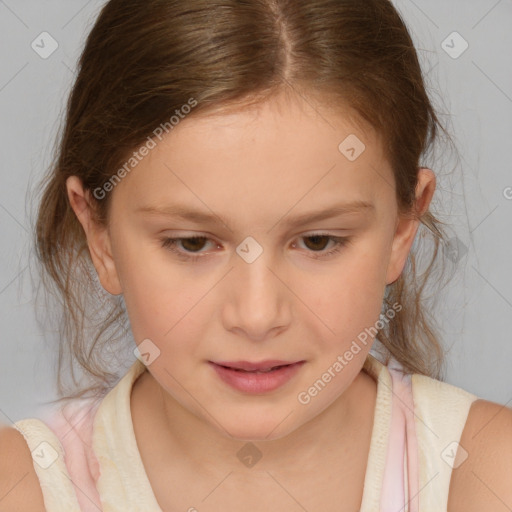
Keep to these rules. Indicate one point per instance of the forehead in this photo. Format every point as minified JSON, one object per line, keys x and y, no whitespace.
{"x":271,"y":154}
{"x":282,"y":124}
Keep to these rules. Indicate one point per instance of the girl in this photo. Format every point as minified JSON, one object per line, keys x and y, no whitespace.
{"x":244,"y":179}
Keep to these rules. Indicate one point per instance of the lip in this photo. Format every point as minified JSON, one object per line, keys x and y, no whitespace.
{"x":248,"y":366}
{"x":243,"y":376}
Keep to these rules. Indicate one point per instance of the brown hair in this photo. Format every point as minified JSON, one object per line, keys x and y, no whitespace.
{"x":145,"y":59}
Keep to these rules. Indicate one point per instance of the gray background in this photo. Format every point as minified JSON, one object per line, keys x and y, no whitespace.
{"x":473,"y":93}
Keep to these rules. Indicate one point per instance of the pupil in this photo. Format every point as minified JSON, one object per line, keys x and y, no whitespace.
{"x":316,"y":238}
{"x":192,"y":242}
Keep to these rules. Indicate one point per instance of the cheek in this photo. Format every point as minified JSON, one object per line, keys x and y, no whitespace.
{"x":161,"y":307}
{"x":348,"y":299}
{"x":156,"y":294}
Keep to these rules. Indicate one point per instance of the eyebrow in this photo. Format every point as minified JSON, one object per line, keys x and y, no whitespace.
{"x":201,"y":217}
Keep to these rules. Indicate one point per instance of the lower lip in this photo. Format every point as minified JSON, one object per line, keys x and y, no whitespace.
{"x":251,"y":382}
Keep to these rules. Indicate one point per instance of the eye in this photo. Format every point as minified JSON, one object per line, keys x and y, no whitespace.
{"x":192,"y":245}
{"x":318,"y":242}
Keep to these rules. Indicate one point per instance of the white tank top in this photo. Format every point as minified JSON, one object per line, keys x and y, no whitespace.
{"x":87,"y":460}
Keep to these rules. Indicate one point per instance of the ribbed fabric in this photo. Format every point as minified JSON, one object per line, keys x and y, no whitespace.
{"x":70,"y":437}
{"x":441,"y":411}
{"x":380,"y":435}
{"x":98,"y":465}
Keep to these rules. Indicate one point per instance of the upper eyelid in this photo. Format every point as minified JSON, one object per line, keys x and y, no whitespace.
{"x":340,"y":233}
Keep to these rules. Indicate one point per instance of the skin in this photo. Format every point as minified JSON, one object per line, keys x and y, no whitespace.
{"x":254,"y":168}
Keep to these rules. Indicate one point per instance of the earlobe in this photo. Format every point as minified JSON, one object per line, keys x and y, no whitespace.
{"x":97,"y":235}
{"x":407,"y":227}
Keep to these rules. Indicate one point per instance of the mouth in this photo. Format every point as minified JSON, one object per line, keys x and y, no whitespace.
{"x":261,"y":367}
{"x":256,"y":377}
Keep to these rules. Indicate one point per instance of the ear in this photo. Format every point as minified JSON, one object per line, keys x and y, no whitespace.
{"x":98,"y":238}
{"x":406,"y":228}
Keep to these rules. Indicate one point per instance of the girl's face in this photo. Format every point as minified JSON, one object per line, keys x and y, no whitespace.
{"x":266,"y":194}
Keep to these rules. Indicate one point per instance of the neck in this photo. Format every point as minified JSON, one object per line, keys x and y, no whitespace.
{"x":342,"y":430}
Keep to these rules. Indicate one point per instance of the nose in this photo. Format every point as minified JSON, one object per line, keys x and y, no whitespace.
{"x":258,"y":303}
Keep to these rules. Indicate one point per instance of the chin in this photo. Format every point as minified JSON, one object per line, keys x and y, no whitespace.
{"x":269,"y":429}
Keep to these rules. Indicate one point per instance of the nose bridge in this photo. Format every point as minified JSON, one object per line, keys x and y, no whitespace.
{"x":254,"y":261}
{"x":256,"y":295}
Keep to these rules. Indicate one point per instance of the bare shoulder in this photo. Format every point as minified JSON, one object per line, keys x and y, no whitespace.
{"x":19,"y":486}
{"x":483,"y":481}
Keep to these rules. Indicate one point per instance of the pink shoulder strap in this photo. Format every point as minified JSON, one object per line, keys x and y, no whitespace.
{"x":402,"y":450}
{"x":73,"y":425}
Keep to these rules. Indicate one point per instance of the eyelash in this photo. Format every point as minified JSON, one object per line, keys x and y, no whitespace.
{"x":170,"y":244}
